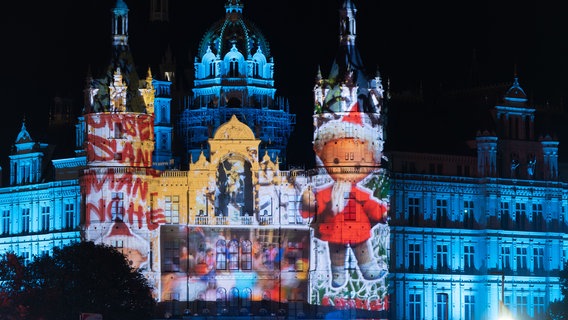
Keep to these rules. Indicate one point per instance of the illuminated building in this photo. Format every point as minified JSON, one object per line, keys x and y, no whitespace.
{"x":233,"y":233}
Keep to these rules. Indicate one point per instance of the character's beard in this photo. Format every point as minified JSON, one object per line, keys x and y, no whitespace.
{"x":338,"y":196}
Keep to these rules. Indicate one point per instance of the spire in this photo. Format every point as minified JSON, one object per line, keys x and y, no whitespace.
{"x":347,"y":24}
{"x":120,"y":24}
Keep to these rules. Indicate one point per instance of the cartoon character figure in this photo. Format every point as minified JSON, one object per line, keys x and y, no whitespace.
{"x":344,"y":211}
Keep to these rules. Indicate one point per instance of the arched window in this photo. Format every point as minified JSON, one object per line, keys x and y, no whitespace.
{"x":233,"y":68}
{"x":234,"y":298}
{"x":246,"y":255}
{"x":221,"y":256}
{"x":233,"y":255}
{"x":221,"y":299}
{"x":246,"y":297}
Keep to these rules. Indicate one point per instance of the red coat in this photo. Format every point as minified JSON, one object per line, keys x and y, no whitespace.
{"x":353,"y":224}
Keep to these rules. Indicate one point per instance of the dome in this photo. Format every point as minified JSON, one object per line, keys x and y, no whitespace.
{"x":234,"y":31}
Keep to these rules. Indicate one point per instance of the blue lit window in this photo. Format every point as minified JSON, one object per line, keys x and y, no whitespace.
{"x":26,"y":220}
{"x":69,"y":216}
{"x":6,"y":222}
{"x":414,"y":257}
{"x":521,"y":258}
{"x":441,"y":212}
{"x":522,"y":306}
{"x":469,"y":307}
{"x":505,"y":215}
{"x":520,"y":216}
{"x":468,"y":214}
{"x":45,"y":217}
{"x":413,"y":211}
{"x":506,"y":258}
{"x":414,"y":306}
{"x":442,"y":306}
{"x":538,"y":258}
{"x":538,"y":305}
{"x":468,"y":259}
{"x":442,"y":257}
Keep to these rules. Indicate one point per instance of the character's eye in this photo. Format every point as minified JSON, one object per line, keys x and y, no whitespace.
{"x":336,"y":160}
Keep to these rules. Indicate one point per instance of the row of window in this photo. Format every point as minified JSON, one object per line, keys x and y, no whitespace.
{"x":520,"y":309}
{"x":521,"y":257}
{"x":521,"y":217}
{"x":45,"y":220}
{"x":235,"y":255}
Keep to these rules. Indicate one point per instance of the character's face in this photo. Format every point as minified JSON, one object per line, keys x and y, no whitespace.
{"x":349,"y":154}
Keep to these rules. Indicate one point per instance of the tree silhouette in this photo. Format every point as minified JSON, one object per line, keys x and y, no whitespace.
{"x":85,"y":278}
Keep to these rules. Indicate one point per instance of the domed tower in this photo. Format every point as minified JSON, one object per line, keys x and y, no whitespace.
{"x":234,"y":75}
{"x":118,"y":142}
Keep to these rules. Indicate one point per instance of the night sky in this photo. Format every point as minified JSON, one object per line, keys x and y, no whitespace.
{"x":49,"y":46}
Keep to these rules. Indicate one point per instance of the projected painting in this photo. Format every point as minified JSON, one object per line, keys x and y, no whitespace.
{"x":233,"y":265}
{"x":117,"y":198}
{"x":347,"y":203}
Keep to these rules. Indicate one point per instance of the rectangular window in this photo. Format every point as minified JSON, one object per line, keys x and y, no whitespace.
{"x":538,"y":306}
{"x":520,"y":215}
{"x":469,"y":307}
{"x":537,"y":217}
{"x":172,"y":259}
{"x":26,"y":257}
{"x":349,"y":212}
{"x":505,"y":215}
{"x":442,"y":257}
{"x":117,"y":206}
{"x":468,"y":257}
{"x":538,"y":258}
{"x":171,"y":210}
{"x":442,"y":306}
{"x":505,"y":258}
{"x":521,"y":258}
{"x":413,"y":211}
{"x":441,"y":212}
{"x":45,"y":217}
{"x":468,"y":214}
{"x":5,"y":222}
{"x":522,"y":306}
{"x":414,"y":257}
{"x":117,"y":130}
{"x":69,"y":216}
{"x":415,"y":306}
{"x":26,"y":220}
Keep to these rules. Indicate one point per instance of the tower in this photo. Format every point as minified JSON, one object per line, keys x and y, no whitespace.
{"x":234,"y":74}
{"x":347,"y":196}
{"x":119,"y":142}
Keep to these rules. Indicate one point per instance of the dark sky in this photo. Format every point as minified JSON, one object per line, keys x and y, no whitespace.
{"x":48,"y":46}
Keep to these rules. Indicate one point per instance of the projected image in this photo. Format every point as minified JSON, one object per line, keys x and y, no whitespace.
{"x":234,"y":185}
{"x":348,"y":208}
{"x":116,"y":200}
{"x":207,"y":264}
